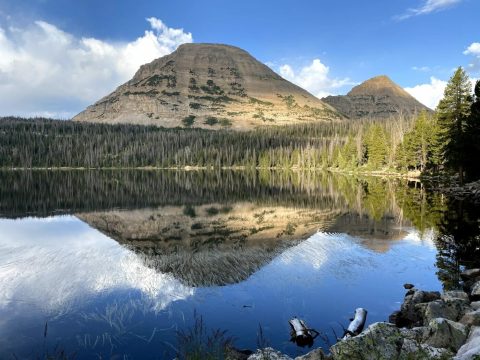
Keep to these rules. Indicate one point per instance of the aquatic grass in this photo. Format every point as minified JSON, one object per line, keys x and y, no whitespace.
{"x":197,"y":343}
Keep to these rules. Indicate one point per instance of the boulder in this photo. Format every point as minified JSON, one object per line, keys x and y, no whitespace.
{"x":475,"y":305}
{"x":471,"y":318}
{"x":378,"y":341}
{"x":443,"y":333}
{"x":408,"y":286}
{"x":439,"y":309}
{"x":471,"y":349}
{"x":453,"y":295}
{"x":475,"y":290}
{"x":382,"y":341}
{"x":316,"y":354}
{"x":268,"y":354}
{"x":470,"y":274}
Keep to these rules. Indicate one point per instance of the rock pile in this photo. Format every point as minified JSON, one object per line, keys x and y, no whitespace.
{"x":429,"y":325}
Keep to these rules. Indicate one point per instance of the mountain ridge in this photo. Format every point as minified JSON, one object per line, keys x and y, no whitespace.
{"x":378,"y":97}
{"x":211,"y":86}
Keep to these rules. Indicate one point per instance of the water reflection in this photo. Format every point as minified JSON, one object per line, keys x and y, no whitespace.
{"x":140,"y":251}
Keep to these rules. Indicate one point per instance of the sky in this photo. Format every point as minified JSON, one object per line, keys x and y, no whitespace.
{"x":59,"y":56}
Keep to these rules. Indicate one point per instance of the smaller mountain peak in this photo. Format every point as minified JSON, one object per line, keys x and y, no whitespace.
{"x":381,"y":84}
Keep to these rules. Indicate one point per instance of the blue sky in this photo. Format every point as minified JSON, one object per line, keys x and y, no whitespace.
{"x":324,"y":46}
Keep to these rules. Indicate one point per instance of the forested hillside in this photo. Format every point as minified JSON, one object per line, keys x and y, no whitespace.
{"x":446,"y":140}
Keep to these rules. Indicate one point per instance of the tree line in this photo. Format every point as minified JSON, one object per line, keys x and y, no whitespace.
{"x":444,"y":141}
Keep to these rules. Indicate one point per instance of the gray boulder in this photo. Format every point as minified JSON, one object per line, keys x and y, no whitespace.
{"x":439,"y":309}
{"x":471,"y":318}
{"x":475,"y":291}
{"x":471,"y":349}
{"x":443,"y":333}
{"x":475,"y":305}
{"x":454,"y":295}
{"x":268,"y":354}
{"x":316,"y":354}
{"x":470,"y":274}
{"x":383,"y":341}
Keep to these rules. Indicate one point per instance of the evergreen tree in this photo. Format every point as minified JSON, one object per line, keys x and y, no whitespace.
{"x":453,"y":112}
{"x":472,"y":135}
{"x":376,"y":146}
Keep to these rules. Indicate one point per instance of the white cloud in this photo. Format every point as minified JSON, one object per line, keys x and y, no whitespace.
{"x":81,"y":262}
{"x":421,"y":68}
{"x":314,"y":78}
{"x":428,"y":94}
{"x":45,"y":71}
{"x":427,"y":7}
{"x":474,"y":50}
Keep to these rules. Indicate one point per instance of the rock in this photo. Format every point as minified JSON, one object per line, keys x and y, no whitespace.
{"x":408,"y":286}
{"x":439,"y":309}
{"x":208,"y":81}
{"x":453,"y":295}
{"x":470,"y":274}
{"x":471,"y":318}
{"x":475,"y":291}
{"x":316,"y":354}
{"x":475,"y":305}
{"x":232,"y":353}
{"x":425,"y":296}
{"x":382,"y":341}
{"x":268,"y":354}
{"x":394,"y":317}
{"x":471,"y":349}
{"x":412,"y":309}
{"x":378,"y":341}
{"x":414,"y":350}
{"x":443,"y":333}
{"x":376,"y":98}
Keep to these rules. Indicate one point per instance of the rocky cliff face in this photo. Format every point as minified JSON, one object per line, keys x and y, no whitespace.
{"x":378,"y":97}
{"x":209,"y":86}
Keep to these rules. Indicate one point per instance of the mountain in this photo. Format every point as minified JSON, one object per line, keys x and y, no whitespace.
{"x":210,"y":244}
{"x":210,"y":86}
{"x":378,"y":97}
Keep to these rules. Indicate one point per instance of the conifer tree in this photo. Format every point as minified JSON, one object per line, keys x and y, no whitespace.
{"x":453,"y":112}
{"x":472,"y":135}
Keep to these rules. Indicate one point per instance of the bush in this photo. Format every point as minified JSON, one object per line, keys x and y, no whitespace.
{"x":189,"y":120}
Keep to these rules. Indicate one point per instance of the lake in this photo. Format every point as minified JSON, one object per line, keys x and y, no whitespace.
{"x":142,"y":264}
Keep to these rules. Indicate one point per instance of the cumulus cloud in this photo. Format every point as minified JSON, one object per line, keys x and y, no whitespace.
{"x":430,"y":93}
{"x":47,"y":71}
{"x":427,"y":7}
{"x":315,"y":78}
{"x":474,"y":50}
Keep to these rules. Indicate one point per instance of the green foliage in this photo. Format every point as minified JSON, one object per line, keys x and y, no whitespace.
{"x":211,"y":120}
{"x":195,"y":105}
{"x":376,"y":147}
{"x":211,"y":88}
{"x":420,"y":146}
{"x":197,"y":343}
{"x":260,"y":102}
{"x":472,"y":137}
{"x":188,"y":121}
{"x":453,"y":112}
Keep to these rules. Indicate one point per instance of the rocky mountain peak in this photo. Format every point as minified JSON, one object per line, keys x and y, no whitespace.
{"x":378,"y":97}
{"x":211,"y":86}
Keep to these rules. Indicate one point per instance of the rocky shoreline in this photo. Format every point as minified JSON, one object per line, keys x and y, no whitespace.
{"x":429,"y":325}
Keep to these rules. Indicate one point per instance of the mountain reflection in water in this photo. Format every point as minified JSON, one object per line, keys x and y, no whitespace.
{"x":117,"y":261}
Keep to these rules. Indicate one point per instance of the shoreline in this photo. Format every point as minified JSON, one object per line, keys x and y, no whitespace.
{"x":429,"y":325}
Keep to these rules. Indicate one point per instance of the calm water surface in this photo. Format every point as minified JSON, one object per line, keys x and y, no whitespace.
{"x":116,"y":264}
